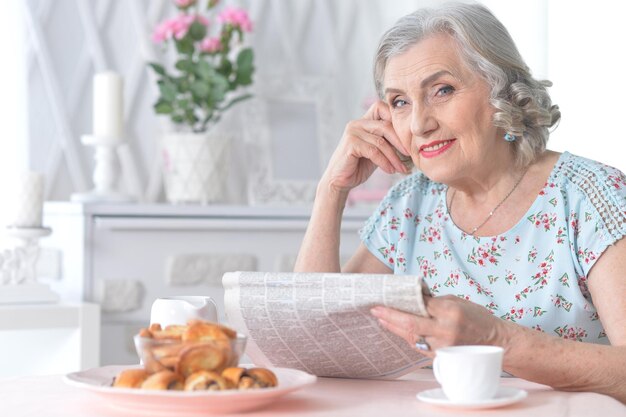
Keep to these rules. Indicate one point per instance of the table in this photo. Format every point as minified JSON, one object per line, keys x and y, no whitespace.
{"x":49,"y":396}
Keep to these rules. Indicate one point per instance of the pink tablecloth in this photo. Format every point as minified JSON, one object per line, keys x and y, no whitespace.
{"x":49,"y":396}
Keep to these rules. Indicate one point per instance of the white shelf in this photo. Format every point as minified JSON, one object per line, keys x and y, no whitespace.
{"x":192,"y":210}
{"x":42,"y":316}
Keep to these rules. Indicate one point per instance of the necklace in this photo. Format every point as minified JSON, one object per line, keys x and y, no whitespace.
{"x":475,"y":229}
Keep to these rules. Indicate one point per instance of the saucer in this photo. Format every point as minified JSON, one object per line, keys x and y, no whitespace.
{"x":504,"y":396}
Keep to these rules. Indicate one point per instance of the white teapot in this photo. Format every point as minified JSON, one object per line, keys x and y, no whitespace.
{"x":177,"y":310}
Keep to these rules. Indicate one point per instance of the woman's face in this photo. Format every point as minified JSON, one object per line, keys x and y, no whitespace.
{"x":440,"y":110}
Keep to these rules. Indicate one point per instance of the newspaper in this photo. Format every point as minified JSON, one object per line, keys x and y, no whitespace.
{"x":321,"y":322}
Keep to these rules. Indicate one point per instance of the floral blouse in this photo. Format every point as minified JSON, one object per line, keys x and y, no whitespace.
{"x":535,"y":274}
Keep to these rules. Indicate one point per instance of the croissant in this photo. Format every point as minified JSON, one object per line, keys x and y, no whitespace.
{"x":250,"y":378}
{"x":130,"y":378}
{"x":199,"y":331}
{"x":226,"y":330}
{"x":203,"y":356}
{"x":173,"y":331}
{"x":207,"y":380}
{"x":164,"y":380}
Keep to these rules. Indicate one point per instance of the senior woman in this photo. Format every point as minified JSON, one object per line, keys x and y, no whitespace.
{"x":520,"y":246}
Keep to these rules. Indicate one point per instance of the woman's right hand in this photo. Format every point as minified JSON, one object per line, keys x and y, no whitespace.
{"x":366,"y":143}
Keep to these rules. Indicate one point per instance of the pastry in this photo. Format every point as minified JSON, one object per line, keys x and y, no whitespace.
{"x":164,"y":380}
{"x":199,"y":331}
{"x":145,"y":333}
{"x":226,"y":330}
{"x":250,"y":378}
{"x":202,"y":356}
{"x":207,"y":381}
{"x":130,"y":378}
{"x":173,"y":331}
{"x":170,"y":349}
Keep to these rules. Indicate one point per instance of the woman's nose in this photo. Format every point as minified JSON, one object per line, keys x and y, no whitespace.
{"x":422,"y":121}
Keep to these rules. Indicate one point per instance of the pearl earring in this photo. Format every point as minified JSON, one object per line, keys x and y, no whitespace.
{"x":509,"y":138}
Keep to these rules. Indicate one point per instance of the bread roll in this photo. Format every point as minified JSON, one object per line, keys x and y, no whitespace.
{"x":164,"y":380}
{"x":130,"y":378}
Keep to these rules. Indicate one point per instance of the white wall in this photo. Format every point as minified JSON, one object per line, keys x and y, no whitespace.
{"x":587,"y":63}
{"x":566,"y":42}
{"x":14,"y":138}
{"x":527,"y":22}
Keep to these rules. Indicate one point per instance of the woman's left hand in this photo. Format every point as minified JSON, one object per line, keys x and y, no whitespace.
{"x":453,"y":321}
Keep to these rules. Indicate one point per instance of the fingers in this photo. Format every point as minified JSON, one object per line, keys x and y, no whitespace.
{"x":369,"y":139}
{"x":380,"y":111}
{"x":379,"y":151}
{"x":405,"y":325}
{"x":366,"y":144}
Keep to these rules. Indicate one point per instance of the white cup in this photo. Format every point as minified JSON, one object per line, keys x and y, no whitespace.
{"x":177,"y":310}
{"x":469,"y":373}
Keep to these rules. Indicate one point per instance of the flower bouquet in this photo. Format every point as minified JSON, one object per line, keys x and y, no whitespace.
{"x":211,"y":66}
{"x":211,"y":70}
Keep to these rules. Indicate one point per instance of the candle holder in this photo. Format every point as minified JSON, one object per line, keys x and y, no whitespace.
{"x":18,"y":268}
{"x":105,"y":171}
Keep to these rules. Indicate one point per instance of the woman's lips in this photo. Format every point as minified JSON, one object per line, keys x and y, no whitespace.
{"x":430,"y":150}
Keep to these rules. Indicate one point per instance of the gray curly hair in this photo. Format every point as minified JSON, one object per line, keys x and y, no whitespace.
{"x":523,"y":106}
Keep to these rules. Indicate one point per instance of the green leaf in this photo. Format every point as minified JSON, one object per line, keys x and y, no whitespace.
{"x":204,"y":70}
{"x":163,"y":107}
{"x":184,"y":104}
{"x":220,"y":82}
{"x":197,"y":31}
{"x":191,"y":117}
{"x":200,"y":89}
{"x":216,"y":97}
{"x":219,"y":87}
{"x":178,"y":118}
{"x":245,"y":67}
{"x":184,"y":45}
{"x":168,"y":90}
{"x":225,"y":67}
{"x":244,"y":78}
{"x":182,"y":83}
{"x":185,"y":65}
{"x":245,"y":59}
{"x":158,"y":68}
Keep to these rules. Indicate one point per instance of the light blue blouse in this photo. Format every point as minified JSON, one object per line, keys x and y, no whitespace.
{"x":535,"y":274}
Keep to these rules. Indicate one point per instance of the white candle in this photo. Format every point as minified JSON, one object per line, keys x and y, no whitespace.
{"x":108,"y":105}
{"x":29,"y":201}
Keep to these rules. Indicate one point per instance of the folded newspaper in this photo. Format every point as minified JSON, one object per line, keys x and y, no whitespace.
{"x":321,"y":322}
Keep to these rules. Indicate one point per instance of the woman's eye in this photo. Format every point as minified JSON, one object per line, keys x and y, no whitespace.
{"x":397,"y":103}
{"x":444,"y":91}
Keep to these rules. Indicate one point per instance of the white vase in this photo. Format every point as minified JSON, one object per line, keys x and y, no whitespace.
{"x":195,"y":166}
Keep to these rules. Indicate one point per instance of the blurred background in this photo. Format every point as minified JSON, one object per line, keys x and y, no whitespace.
{"x":52,"y":48}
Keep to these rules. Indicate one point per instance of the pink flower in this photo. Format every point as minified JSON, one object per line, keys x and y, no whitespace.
{"x":210,"y":45}
{"x":176,"y":27}
{"x":163,"y":31}
{"x":183,"y":4}
{"x":236,"y":17}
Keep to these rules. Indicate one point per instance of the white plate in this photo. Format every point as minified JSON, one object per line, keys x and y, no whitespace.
{"x":504,"y":396}
{"x":183,"y":403}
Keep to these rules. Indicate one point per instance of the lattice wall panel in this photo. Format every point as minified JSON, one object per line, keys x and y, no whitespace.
{"x":69,"y":40}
